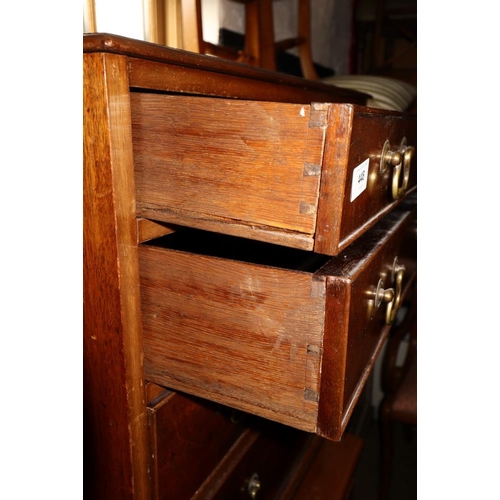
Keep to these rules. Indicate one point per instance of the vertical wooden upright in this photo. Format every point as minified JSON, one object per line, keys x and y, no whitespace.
{"x":259,"y":33}
{"x":115,"y":425}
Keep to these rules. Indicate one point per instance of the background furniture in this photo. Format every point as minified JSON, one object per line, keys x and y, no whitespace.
{"x":385,"y":36}
{"x":260,"y":47}
{"x":400,"y":387}
{"x":395,"y":33}
{"x":192,"y":36}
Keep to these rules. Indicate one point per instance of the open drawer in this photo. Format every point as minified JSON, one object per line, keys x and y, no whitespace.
{"x":282,"y":333}
{"x":313,"y":177}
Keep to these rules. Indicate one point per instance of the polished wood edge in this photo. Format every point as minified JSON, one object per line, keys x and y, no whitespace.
{"x":347,"y":261}
{"x":334,"y":359}
{"x":226,"y":466}
{"x":267,"y":234}
{"x":343,"y":244}
{"x":116,"y":44}
{"x":349,"y":407}
{"x":335,"y":161}
{"x":369,"y":111}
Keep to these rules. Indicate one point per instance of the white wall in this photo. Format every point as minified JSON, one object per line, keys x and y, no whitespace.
{"x":211,"y":15}
{"x":120,"y":17}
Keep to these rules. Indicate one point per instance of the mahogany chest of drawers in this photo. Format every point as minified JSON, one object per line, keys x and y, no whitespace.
{"x":248,"y":238}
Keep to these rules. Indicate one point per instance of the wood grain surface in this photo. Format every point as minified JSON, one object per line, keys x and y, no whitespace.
{"x":243,"y":335}
{"x":233,"y":162}
{"x":115,"y":423}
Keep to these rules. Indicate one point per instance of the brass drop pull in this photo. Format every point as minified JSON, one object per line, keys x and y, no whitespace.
{"x":400,"y":160}
{"x":389,"y":157}
{"x":398,"y":272}
{"x":381,"y":295}
{"x":397,"y":190}
{"x":253,"y":486}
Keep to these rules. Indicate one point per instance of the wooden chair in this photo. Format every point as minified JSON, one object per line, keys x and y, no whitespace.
{"x":192,"y":35}
{"x":260,"y":47}
{"x":399,"y":383}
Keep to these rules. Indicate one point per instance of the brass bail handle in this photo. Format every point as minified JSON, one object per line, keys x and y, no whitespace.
{"x":383,"y":295}
{"x":254,"y":486}
{"x":393,"y":305}
{"x":399,"y":160}
{"x":397,"y":190}
{"x":389,"y":157}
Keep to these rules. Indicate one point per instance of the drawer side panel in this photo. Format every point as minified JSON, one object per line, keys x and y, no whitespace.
{"x":242,"y":335}
{"x":241,"y":162}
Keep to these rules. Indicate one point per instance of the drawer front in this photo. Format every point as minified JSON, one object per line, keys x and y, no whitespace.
{"x":266,"y":329}
{"x":188,"y":434}
{"x":275,"y":172}
{"x":364,"y":311}
{"x":358,"y":187}
{"x":263,"y":464}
